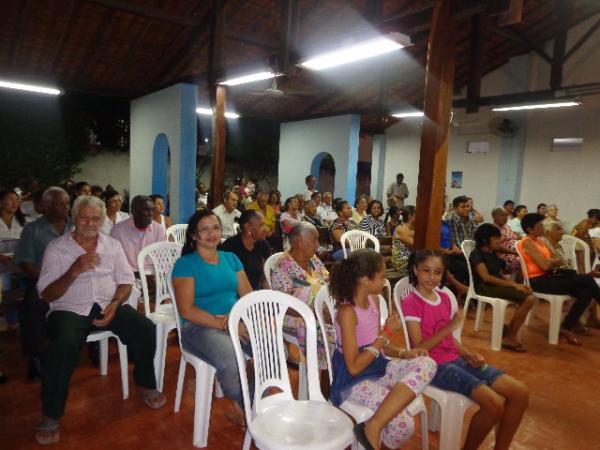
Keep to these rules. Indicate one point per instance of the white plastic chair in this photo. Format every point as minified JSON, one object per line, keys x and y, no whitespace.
{"x":103,"y":336}
{"x":205,"y":378}
{"x":556,"y":302}
{"x":388,"y":291}
{"x":357,"y":239}
{"x":162,"y":256}
{"x":357,"y":411}
{"x":448,"y":408}
{"x":271,"y":262}
{"x":498,"y":304}
{"x":278,"y":421}
{"x":177,"y":232}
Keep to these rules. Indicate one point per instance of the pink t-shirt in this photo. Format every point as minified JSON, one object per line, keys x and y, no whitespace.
{"x":134,"y":240}
{"x":367,"y":326}
{"x":432,"y":316}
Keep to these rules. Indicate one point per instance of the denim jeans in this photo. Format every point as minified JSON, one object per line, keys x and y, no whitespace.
{"x":215,"y":348}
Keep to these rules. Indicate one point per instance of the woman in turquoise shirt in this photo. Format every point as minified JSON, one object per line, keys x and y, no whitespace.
{"x":207,"y":283}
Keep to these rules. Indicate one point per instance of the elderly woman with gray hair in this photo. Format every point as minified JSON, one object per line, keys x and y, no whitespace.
{"x":301,"y":273}
{"x":508,"y":240}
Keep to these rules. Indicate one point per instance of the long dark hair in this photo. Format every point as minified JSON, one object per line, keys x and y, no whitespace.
{"x":346,"y":273}
{"x":418,"y":257}
{"x":18,"y":214}
{"x":190,"y":243}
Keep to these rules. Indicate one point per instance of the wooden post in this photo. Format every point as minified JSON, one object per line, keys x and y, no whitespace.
{"x":217,"y":179}
{"x":439,"y":80}
{"x":476,"y":62}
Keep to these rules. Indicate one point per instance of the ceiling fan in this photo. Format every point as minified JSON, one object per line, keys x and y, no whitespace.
{"x":275,"y":91}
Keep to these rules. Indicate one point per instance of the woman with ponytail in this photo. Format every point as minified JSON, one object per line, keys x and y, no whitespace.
{"x":361,"y":372}
{"x":207,"y":284}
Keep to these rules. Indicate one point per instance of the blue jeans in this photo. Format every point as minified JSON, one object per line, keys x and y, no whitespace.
{"x":215,"y":348}
{"x":459,"y":376}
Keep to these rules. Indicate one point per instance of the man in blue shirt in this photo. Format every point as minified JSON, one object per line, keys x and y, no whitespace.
{"x":28,"y":257}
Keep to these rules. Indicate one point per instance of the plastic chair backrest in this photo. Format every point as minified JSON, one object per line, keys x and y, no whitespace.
{"x":357,"y":239}
{"x":522,"y":261}
{"x":388,"y":291}
{"x":322,"y":300}
{"x":262,"y":312}
{"x":175,"y":309}
{"x":178,"y":232}
{"x":569,"y":244}
{"x":162,"y":256}
{"x":403,"y":288}
{"x":271,"y":262}
{"x":467,"y":247}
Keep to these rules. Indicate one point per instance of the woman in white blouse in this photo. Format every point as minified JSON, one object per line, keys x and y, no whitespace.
{"x":114,"y":215}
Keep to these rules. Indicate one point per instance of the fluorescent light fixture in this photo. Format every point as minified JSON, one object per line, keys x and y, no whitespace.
{"x":357,"y":52}
{"x":30,"y":88}
{"x":208,"y":112}
{"x":249,"y":78}
{"x":537,"y":106}
{"x":404,"y":115}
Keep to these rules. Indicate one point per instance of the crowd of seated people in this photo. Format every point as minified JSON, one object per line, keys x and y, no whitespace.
{"x":83,"y":234}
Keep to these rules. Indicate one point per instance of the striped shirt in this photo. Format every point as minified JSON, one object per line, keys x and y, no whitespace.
{"x":97,"y":285}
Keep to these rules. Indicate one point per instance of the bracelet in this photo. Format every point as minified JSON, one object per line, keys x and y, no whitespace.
{"x":385,"y":340}
{"x":372,"y":350}
{"x":387,"y":331}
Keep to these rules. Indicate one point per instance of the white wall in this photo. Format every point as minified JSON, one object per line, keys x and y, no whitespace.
{"x":106,"y":168}
{"x":567,"y":179}
{"x":300,"y":142}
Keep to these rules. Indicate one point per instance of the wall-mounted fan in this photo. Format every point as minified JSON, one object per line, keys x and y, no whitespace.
{"x":503,"y":127}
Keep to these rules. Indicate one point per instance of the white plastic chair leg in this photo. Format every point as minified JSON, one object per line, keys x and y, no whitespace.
{"x":103,"y":356}
{"x":435,"y":414}
{"x":247,"y":441}
{"x":160,"y":355}
{"x":452,"y":425}
{"x":555,"y":318}
{"x":180,"y":380}
{"x":498,"y":313}
{"x":218,"y":390}
{"x":424,"y":430}
{"x":124,"y":368}
{"x":302,"y":381}
{"x":205,"y":377}
{"x":479,"y":315}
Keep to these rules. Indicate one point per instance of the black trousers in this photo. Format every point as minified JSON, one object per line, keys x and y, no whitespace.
{"x":457,"y":266}
{"x":583,"y":287}
{"x":32,"y":315}
{"x":67,"y":332}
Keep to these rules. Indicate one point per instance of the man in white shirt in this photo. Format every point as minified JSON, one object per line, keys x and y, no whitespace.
{"x":311,"y":187}
{"x":398,"y":190}
{"x":228,"y":214}
{"x":325,"y":210}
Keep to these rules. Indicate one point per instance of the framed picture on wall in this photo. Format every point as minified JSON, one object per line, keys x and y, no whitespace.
{"x":456,"y":180}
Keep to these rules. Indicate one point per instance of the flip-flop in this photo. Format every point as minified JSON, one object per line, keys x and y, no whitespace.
{"x":47,"y":432}
{"x":514,"y":348}
{"x":151,"y":398}
{"x":571,"y":339}
{"x":359,"y":433}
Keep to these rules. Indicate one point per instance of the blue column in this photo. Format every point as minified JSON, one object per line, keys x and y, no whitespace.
{"x":160,"y":156}
{"x":350,"y":193}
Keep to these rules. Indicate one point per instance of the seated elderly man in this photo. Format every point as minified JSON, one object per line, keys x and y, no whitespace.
{"x":299,"y":272}
{"x":228,"y":214}
{"x":86,"y":279}
{"x":261,"y":204}
{"x":139,"y":230}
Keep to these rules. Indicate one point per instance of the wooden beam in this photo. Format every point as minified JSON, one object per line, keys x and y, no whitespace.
{"x":23,"y":10}
{"x":583,"y":39}
{"x":63,"y":35}
{"x":439,"y":80}
{"x":99,"y":36}
{"x":289,"y":33}
{"x":251,"y":40}
{"x":521,"y":38}
{"x":560,"y":44}
{"x":149,"y":12}
{"x":478,"y":24}
{"x":217,"y":179}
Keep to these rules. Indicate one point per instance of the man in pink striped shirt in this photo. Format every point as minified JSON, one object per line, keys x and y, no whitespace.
{"x":86,"y":279}
{"x":139,"y":230}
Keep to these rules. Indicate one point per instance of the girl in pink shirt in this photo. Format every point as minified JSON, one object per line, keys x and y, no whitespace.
{"x":361,"y":372}
{"x":430,"y":320}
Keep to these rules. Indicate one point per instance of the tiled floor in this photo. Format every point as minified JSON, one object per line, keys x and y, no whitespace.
{"x":563,"y":413}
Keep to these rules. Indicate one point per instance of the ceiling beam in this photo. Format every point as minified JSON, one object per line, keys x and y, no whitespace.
{"x":149,"y":12}
{"x":20,"y":33}
{"x":521,"y":38}
{"x":61,"y":40}
{"x":583,"y":39}
{"x":560,"y":44}
{"x":478,"y":25}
